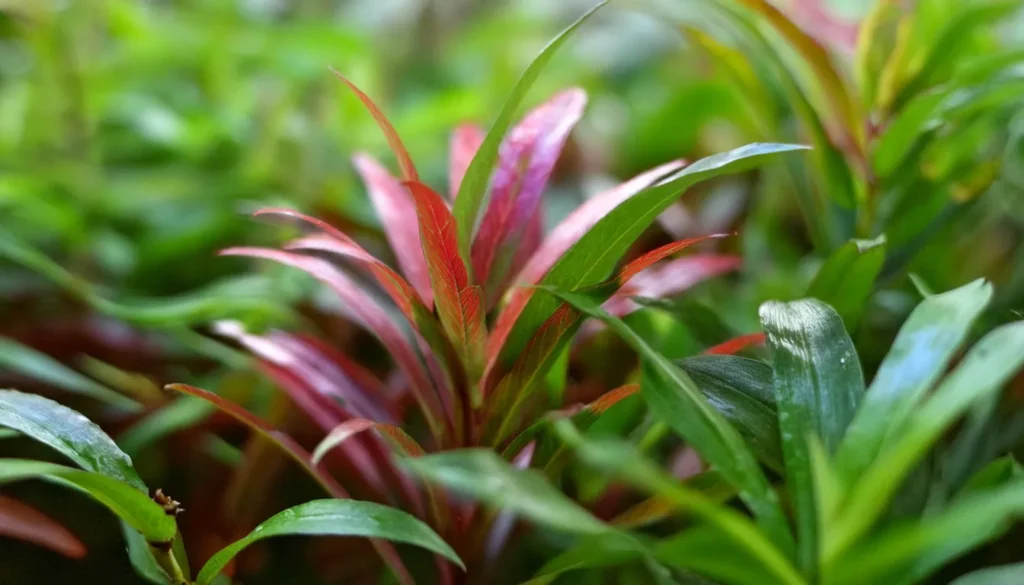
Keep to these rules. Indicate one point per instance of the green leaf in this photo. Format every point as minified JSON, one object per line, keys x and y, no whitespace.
{"x":335,"y":518}
{"x":39,"y":366}
{"x":987,"y":366}
{"x":141,"y":557}
{"x":471,"y":193}
{"x":591,"y":552}
{"x":818,"y":385}
{"x":706,"y":550}
{"x":485,"y":476}
{"x":995,"y":474}
{"x":741,"y":389}
{"x":1004,"y":575}
{"x":70,"y":433}
{"x":675,"y":399}
{"x":740,"y":534}
{"x":593,"y":258}
{"x":918,"y":357}
{"x":127,"y":502}
{"x":846,"y":279}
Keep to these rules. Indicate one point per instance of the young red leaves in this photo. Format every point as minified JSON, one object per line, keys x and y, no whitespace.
{"x":459,"y":303}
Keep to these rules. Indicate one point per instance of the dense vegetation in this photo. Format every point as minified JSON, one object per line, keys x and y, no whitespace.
{"x":702,"y":292}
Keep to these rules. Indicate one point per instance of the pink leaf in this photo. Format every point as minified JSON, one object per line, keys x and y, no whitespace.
{"x":465,"y":142}
{"x":20,"y":521}
{"x":525,"y":163}
{"x":397,"y":215}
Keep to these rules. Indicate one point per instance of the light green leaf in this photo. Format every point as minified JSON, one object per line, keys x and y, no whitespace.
{"x":1004,"y":575}
{"x":593,"y":258}
{"x":918,"y":357}
{"x":36,"y":365}
{"x":128,"y":503}
{"x":473,"y":189}
{"x":675,"y":399}
{"x":335,"y":518}
{"x":847,"y":277}
{"x":818,"y":385}
{"x":68,"y":432}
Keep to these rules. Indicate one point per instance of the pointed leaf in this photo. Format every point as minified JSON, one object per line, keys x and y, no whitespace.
{"x":676,"y":400}
{"x":465,"y":141}
{"x":592,"y":259}
{"x":918,"y":357}
{"x":846,"y":279}
{"x":397,"y":215}
{"x":22,"y":522}
{"x":69,"y":433}
{"x":736,"y":344}
{"x":818,"y":386}
{"x":335,"y":518}
{"x":647,"y":260}
{"x":130,"y":504}
{"x":474,"y":184}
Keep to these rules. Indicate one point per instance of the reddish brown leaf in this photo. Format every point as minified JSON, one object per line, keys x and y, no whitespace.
{"x":613,"y":397}
{"x":459,"y":304}
{"x":394,"y":141}
{"x":22,"y":522}
{"x":645,"y":261}
{"x":465,"y":141}
{"x":397,"y":215}
{"x":736,"y":344}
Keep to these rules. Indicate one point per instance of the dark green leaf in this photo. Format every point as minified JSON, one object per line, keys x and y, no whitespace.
{"x":141,"y":557}
{"x":127,"y":502}
{"x":818,"y":385}
{"x":335,"y":518}
{"x":847,"y":277}
{"x":70,"y":433}
{"x":674,"y":398}
{"x":918,"y":357}
{"x":474,"y":183}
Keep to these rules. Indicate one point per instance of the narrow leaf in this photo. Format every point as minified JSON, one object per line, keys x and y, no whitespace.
{"x":474,"y":184}
{"x":69,"y":433}
{"x":818,"y":386}
{"x":736,"y":344}
{"x":646,"y":260}
{"x":335,"y":518}
{"x":846,"y":279}
{"x":22,"y":522}
{"x":465,"y":141}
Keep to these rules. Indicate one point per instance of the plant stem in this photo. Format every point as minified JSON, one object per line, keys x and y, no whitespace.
{"x":165,"y":558}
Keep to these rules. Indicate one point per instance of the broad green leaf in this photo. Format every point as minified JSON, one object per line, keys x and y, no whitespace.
{"x":39,"y":366}
{"x":1004,"y":575}
{"x":472,"y":191}
{"x":918,"y":357}
{"x":818,"y":385}
{"x":740,"y":388}
{"x":675,"y":399}
{"x":127,"y":502}
{"x":68,"y":432}
{"x":987,"y":366}
{"x":593,"y":258}
{"x":847,"y":278}
{"x":335,"y":518}
{"x":484,"y":476}
{"x":732,"y":527}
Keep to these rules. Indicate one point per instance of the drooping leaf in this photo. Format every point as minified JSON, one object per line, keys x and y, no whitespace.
{"x":335,"y":518}
{"x":473,"y":188}
{"x":526,"y":159}
{"x":465,"y":141}
{"x":619,"y":458}
{"x":676,"y":400}
{"x":459,"y":303}
{"x":23,"y":522}
{"x":984,"y":370}
{"x":918,"y":357}
{"x":593,"y":257}
{"x":69,"y":433}
{"x":124,"y":500}
{"x":397,"y":216}
{"x":818,"y":386}
{"x":847,"y":277}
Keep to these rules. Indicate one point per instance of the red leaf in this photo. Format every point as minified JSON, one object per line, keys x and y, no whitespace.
{"x":302,"y":458}
{"x":636,"y":266}
{"x":558,"y":242}
{"x":612,"y":397}
{"x":20,"y":521}
{"x":736,"y":344}
{"x":375,"y":319}
{"x":459,"y":304}
{"x":465,"y":142}
{"x":394,"y":141}
{"x":398,"y":217}
{"x":525,"y":163}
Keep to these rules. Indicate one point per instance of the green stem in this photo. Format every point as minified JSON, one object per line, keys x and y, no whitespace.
{"x":165,"y":558}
